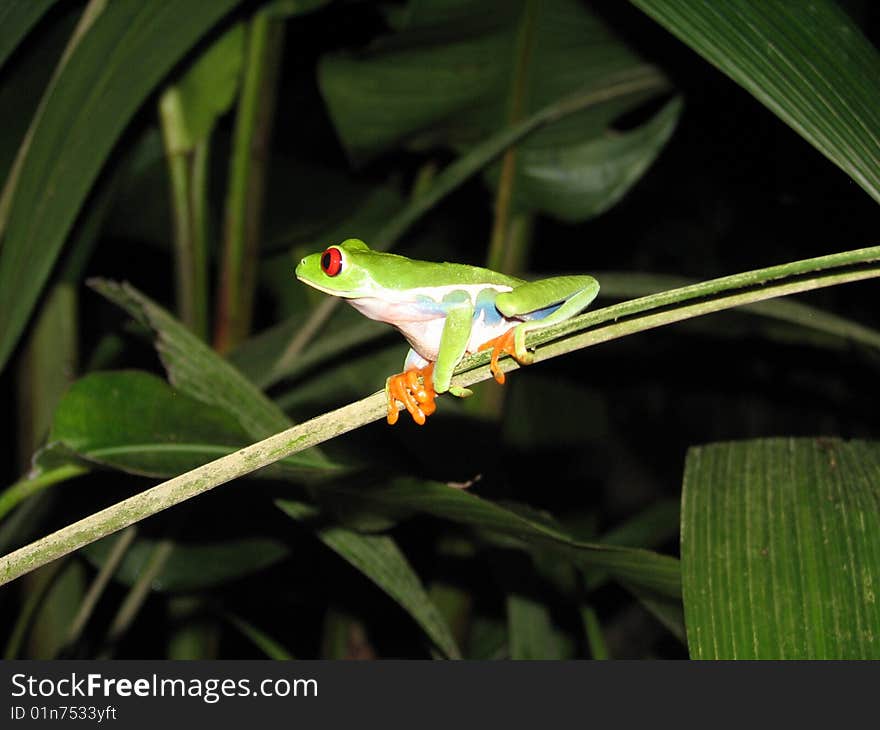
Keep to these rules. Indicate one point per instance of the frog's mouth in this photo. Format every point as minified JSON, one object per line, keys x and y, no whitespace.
{"x":326,"y":290}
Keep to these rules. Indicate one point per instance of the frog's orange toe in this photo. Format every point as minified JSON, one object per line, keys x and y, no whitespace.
{"x":502,"y":345}
{"x":415,"y":389}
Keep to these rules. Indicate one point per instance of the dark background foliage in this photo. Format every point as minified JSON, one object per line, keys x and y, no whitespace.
{"x":597,"y":439}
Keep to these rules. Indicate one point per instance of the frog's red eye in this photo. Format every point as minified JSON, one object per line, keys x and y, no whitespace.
{"x":331,"y":261}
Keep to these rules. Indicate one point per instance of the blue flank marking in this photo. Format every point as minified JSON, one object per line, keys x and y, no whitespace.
{"x":429,"y":306}
{"x":486,"y":305}
{"x":541,"y":313}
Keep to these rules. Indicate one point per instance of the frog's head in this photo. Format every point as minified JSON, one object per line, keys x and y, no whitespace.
{"x":342,"y":270}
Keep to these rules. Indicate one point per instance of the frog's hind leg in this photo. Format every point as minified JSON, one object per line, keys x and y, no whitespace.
{"x":539,"y":304}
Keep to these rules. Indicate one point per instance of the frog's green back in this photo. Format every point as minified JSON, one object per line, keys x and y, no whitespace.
{"x":399,"y":273}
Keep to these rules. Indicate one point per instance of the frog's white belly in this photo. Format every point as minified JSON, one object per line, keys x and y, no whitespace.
{"x":423,"y":325}
{"x":424,"y":336}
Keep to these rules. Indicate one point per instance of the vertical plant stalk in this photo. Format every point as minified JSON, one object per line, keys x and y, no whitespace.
{"x":187,"y":170}
{"x":245,"y":195}
{"x":593,"y":632}
{"x":100,"y":583}
{"x":195,"y":628}
{"x":198,"y":210}
{"x":135,"y":598}
{"x":500,"y":240}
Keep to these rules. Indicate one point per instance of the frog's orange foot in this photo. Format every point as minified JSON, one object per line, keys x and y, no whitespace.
{"x":503,"y":345}
{"x":415,"y":389}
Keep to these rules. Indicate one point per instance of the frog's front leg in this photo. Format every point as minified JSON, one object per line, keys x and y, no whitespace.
{"x":421,"y":380}
{"x":413,"y":387}
{"x":539,"y":304}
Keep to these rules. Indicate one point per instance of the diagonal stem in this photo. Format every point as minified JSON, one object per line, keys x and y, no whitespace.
{"x":601,"y":325}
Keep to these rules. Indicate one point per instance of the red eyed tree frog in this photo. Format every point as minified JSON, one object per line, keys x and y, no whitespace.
{"x":445,"y":311}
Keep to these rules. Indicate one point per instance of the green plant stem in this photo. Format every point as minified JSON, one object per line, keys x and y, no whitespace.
{"x":593,"y":632}
{"x":135,"y":598}
{"x":244,"y":199}
{"x":99,"y":584}
{"x":500,"y":238}
{"x":187,"y":170}
{"x":264,"y":642}
{"x":198,"y":210}
{"x":589,"y":329}
{"x":643,"y":79}
{"x":13,"y":495}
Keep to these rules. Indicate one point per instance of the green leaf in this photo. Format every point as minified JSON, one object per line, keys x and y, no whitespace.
{"x":17,"y":17}
{"x":192,"y":566}
{"x":781,"y":549}
{"x":807,"y":62}
{"x":379,"y":558}
{"x":269,"y":646}
{"x":124,"y":53}
{"x":584,"y":179}
{"x":456,"y":72}
{"x":194,"y":368}
{"x":134,"y":421}
{"x":405,"y":497}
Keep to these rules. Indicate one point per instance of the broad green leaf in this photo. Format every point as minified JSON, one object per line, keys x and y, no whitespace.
{"x":199,"y":371}
{"x":193,"y":566}
{"x":378,"y":557}
{"x":17,"y":17}
{"x":584,"y":179}
{"x":780,"y":549}
{"x":23,"y":82}
{"x":456,"y":72}
{"x":806,"y":61}
{"x":125,"y":52}
{"x":406,"y":497}
{"x":136,"y":422}
{"x":194,"y":368}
